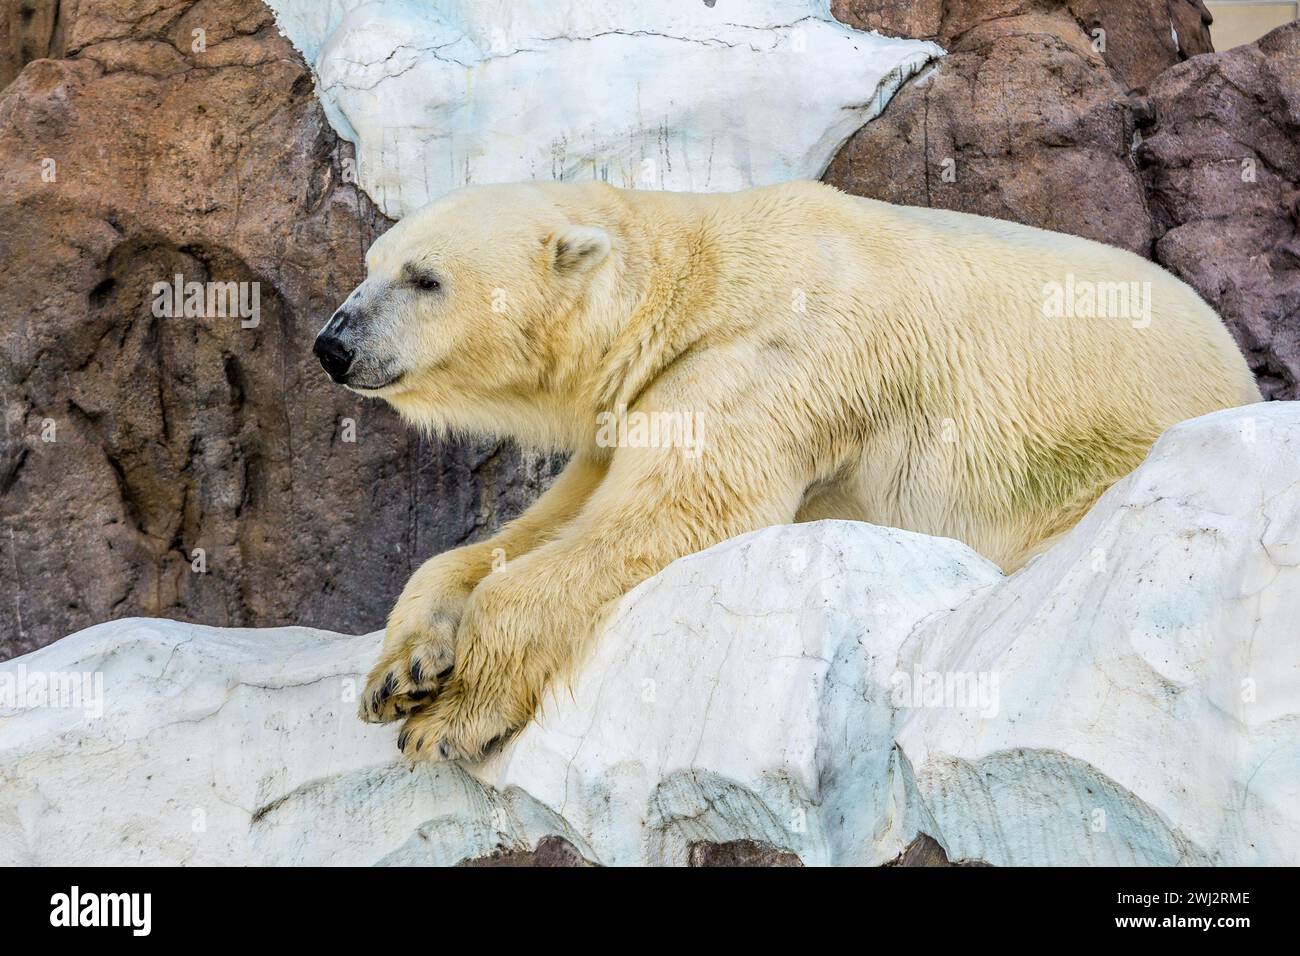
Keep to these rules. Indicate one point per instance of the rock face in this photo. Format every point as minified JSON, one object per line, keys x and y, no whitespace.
{"x":1032,"y":118}
{"x":1141,"y":37}
{"x":676,"y":95}
{"x":924,"y":851}
{"x":29,"y":30}
{"x":550,"y":852}
{"x":1028,"y":118}
{"x":832,"y":692}
{"x":131,"y":440}
{"x":1221,"y":161}
{"x":741,"y":853}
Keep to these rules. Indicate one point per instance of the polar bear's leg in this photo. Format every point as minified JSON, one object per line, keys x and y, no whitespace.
{"x":419,"y":646}
{"x":528,"y":625}
{"x":1020,"y":559}
{"x":840,"y":500}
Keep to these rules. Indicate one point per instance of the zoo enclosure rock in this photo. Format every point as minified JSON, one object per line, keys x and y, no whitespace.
{"x":1140,"y":145}
{"x":1221,"y":164}
{"x":1024,"y":119}
{"x":130,"y":155}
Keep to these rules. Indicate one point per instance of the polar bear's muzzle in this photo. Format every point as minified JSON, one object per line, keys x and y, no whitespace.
{"x":346,"y":348}
{"x":333,"y":349}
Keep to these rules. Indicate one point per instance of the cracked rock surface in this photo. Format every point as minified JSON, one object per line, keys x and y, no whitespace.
{"x":829,"y":693}
{"x":677,"y":95}
{"x":1025,"y":119}
{"x":1221,"y":160}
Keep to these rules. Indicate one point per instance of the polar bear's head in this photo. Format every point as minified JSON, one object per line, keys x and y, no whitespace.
{"x":462,"y":300}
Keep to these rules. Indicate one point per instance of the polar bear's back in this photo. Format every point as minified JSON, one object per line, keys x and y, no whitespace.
{"x":1072,"y":308}
{"x":1051,"y":310}
{"x":1017,"y":372}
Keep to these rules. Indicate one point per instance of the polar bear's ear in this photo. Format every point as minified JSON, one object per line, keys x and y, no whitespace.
{"x":578,"y":248}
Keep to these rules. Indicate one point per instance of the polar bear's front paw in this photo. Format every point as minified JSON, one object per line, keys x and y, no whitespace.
{"x":411,"y":668}
{"x":455,"y":727}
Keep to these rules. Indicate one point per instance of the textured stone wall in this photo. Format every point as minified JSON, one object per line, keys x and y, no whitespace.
{"x":1104,"y":120}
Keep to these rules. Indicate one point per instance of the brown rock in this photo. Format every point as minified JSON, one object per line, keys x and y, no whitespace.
{"x":1142,"y":37}
{"x":1145,"y":37}
{"x":741,"y":853}
{"x":918,"y":19}
{"x":1025,"y":120}
{"x":551,"y":851}
{"x":1221,"y":162}
{"x":1021,"y":121}
{"x":1029,"y":117}
{"x":29,"y":30}
{"x":926,"y":851}
{"x":132,"y":440}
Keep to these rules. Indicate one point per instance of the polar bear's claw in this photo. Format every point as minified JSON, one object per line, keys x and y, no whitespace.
{"x":456,"y":725}
{"x":412,"y":668}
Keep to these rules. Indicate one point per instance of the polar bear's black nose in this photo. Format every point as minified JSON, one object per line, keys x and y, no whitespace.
{"x":335,"y":357}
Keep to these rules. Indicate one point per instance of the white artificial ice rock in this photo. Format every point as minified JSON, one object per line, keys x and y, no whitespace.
{"x":831,"y":689}
{"x":677,"y":94}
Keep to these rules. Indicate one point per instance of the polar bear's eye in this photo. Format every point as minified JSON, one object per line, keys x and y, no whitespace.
{"x":426,"y":283}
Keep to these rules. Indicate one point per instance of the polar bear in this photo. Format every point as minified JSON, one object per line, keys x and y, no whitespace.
{"x":719,"y":363}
